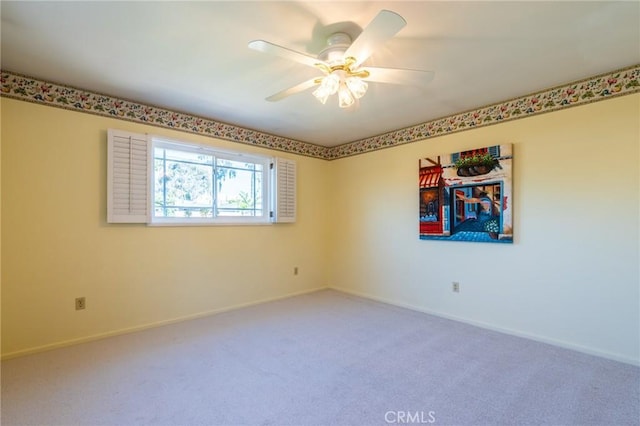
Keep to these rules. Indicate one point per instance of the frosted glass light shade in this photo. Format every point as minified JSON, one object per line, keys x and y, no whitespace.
{"x":328,"y":86}
{"x":357,"y":86}
{"x":345,"y":98}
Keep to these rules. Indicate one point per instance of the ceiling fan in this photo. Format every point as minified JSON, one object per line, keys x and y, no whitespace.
{"x":341,"y":63}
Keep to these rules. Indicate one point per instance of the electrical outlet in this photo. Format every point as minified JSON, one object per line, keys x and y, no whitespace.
{"x":81,"y":303}
{"x":455,"y":287}
{"x":295,"y":270}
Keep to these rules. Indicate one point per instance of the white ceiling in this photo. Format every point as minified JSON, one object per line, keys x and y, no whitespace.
{"x":192,"y":57}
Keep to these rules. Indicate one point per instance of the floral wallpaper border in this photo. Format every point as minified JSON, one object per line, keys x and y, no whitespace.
{"x":622,"y":82}
{"x":616,"y":83}
{"x":29,"y":89}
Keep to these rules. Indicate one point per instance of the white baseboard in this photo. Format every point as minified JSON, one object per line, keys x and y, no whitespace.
{"x":517,"y":333}
{"x":99,"y":336}
{"x":493,"y":327}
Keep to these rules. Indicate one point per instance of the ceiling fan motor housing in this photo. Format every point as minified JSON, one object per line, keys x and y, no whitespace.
{"x":337,"y":44}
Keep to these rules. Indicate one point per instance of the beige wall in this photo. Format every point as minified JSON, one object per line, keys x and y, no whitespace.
{"x":57,"y":245}
{"x":570,"y":278}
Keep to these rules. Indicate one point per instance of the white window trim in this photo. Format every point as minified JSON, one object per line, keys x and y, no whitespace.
{"x":161,"y":142}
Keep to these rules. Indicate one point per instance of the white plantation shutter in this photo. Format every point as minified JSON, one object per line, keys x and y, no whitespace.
{"x":127,"y":177}
{"x":284,"y":205}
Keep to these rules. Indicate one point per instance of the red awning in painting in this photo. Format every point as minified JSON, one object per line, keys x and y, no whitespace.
{"x":430,"y":176}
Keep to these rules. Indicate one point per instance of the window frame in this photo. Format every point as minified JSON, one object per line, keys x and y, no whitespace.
{"x":231,"y":155}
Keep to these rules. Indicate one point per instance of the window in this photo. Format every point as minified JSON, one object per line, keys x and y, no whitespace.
{"x":195,"y":184}
{"x":199,"y":184}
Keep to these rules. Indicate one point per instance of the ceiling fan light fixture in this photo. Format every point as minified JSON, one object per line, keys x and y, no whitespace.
{"x":348,"y":86}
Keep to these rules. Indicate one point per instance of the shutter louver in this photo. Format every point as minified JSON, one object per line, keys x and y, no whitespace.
{"x":285,"y":191}
{"x":127,"y":178}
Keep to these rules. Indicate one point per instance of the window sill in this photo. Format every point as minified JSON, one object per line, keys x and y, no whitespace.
{"x":209,"y":223}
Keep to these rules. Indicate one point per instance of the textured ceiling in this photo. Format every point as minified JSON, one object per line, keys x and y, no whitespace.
{"x":192,"y":57}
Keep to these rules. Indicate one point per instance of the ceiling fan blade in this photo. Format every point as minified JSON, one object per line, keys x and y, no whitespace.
{"x":283,"y":52}
{"x":292,"y":90}
{"x":399,"y":76}
{"x":384,"y":26}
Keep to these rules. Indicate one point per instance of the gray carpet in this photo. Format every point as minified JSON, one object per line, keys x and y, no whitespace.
{"x":324,"y":358}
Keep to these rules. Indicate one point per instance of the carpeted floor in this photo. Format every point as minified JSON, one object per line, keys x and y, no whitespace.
{"x":325,"y":358}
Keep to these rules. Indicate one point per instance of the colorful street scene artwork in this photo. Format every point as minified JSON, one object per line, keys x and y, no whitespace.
{"x":467,"y":196}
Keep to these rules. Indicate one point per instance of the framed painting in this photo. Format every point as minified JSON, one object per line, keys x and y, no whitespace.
{"x":467,"y":195}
